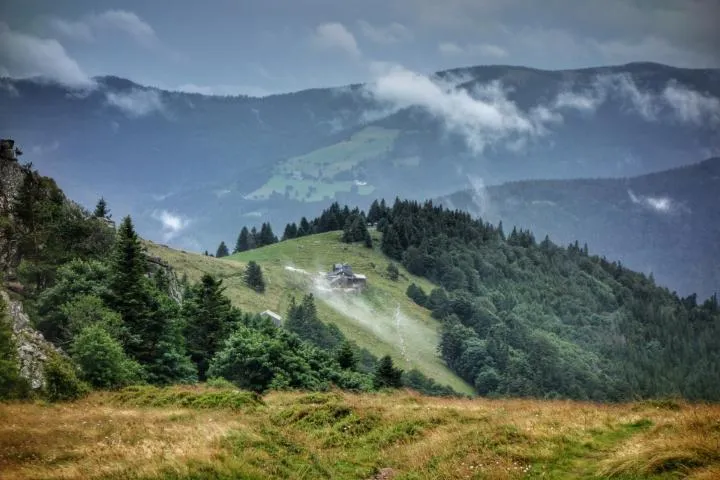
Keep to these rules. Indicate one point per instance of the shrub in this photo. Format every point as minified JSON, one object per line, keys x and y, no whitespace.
{"x":62,"y":383}
{"x":102,"y":361}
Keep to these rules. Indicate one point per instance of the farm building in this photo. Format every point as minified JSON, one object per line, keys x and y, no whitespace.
{"x":276,"y":319}
{"x":343,"y":277}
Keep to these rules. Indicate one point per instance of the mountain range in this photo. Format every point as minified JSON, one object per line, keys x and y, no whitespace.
{"x":194,"y":169}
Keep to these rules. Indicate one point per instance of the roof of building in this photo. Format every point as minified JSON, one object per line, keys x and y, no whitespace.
{"x":272,"y":314}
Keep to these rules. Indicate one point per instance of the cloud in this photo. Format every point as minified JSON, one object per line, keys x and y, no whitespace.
{"x":385,"y":35}
{"x":657,"y":204}
{"x":675,"y":102}
{"x":690,"y":106}
{"x":450,"y":49}
{"x":26,"y":56}
{"x":137,"y":102}
{"x":484,"y":116}
{"x":8,"y":87}
{"x":90,"y":26}
{"x":334,"y":36}
{"x":172,"y":224}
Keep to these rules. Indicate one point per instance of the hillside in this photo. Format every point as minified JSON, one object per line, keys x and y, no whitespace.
{"x":193,"y":433}
{"x":383,"y":319}
{"x":220,"y":162}
{"x":666,"y":223}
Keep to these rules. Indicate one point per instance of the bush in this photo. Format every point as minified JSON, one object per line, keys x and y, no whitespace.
{"x":62,"y":383}
{"x":392,"y":272}
{"x":102,"y":361}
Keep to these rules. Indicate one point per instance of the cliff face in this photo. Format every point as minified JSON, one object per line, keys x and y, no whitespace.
{"x":11,"y":177}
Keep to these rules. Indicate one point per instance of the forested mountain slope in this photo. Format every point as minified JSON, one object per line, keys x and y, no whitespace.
{"x":522,"y":317}
{"x":665,"y":223}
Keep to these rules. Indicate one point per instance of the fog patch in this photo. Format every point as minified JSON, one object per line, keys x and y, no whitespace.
{"x":657,"y":204}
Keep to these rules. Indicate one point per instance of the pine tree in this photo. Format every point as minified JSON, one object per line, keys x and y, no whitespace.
{"x":266,"y":237}
{"x":368,"y":239}
{"x":254,"y":239}
{"x":291,"y":231}
{"x":254,"y":277}
{"x":386,"y":375}
{"x":222,"y":250}
{"x":101,"y":209}
{"x":391,"y":245}
{"x":243,"y":241}
{"x":207,"y":316}
{"x":374,"y":213}
{"x":130,"y":293}
{"x":304,"y":228}
{"x":345,"y":356}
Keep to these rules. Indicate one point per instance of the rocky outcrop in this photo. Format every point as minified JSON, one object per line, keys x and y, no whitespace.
{"x":11,"y":178}
{"x":33,"y":349}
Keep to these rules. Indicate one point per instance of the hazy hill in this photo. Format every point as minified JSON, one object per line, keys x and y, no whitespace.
{"x":219,"y":162}
{"x":667,"y":223}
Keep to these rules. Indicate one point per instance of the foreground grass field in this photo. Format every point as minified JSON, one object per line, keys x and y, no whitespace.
{"x":197,"y":432}
{"x":383,"y":319}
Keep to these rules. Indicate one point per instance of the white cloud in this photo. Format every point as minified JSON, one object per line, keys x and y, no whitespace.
{"x":172,"y":223}
{"x":25,"y":56}
{"x":8,"y":86}
{"x":334,"y":36}
{"x":392,"y":33}
{"x":137,"y":102}
{"x":487,"y":50}
{"x":484,"y":117}
{"x":88,"y":27}
{"x":675,"y":103}
{"x":690,"y":106}
{"x":657,"y":204}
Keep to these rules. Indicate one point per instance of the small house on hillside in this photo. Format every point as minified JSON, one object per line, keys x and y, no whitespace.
{"x":274,"y":317}
{"x":343,"y":277}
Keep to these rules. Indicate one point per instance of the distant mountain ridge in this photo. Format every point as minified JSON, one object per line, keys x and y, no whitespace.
{"x":220,"y":162}
{"x":667,"y":223}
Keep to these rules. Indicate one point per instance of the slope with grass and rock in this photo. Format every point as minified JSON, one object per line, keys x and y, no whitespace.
{"x":381,"y":319}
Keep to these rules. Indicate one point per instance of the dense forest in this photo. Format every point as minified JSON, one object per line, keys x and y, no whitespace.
{"x":528,"y":318}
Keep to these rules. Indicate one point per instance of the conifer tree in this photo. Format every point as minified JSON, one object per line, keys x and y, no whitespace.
{"x":304,"y":227}
{"x":222,"y":250}
{"x":243,"y":241}
{"x":101,"y":209}
{"x":254,"y":239}
{"x":345,"y":356}
{"x":386,"y":375}
{"x":291,"y":231}
{"x":207,"y":316}
{"x":254,"y":277}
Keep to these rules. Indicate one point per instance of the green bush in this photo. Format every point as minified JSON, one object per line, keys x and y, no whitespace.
{"x":62,"y":383}
{"x":101,"y":359}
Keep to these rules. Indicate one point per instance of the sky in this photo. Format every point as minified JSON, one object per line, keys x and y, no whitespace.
{"x":273,"y":46}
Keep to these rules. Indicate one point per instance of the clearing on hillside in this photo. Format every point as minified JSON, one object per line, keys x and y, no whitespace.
{"x":314,"y":176}
{"x":382,"y":318}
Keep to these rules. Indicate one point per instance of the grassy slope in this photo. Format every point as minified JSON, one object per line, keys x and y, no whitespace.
{"x":369,"y":319}
{"x":342,"y":436}
{"x":319,"y":166}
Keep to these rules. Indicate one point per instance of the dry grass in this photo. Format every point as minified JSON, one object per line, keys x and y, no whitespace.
{"x":339,"y":435}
